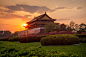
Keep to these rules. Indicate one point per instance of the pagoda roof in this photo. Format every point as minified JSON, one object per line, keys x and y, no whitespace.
{"x":41,"y":16}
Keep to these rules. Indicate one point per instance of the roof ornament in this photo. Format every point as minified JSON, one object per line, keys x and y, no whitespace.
{"x":34,"y":16}
{"x":45,"y":12}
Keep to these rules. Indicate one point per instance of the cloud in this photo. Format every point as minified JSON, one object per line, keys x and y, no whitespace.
{"x":13,"y":16}
{"x":60,"y":7}
{"x":27,"y":8}
{"x":1,"y":13}
{"x":62,"y":19}
{"x":63,"y":8}
{"x":4,"y":24}
{"x":31,"y":9}
{"x":78,"y":8}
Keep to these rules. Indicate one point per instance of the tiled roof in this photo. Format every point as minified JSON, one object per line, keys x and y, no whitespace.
{"x":39,"y":17}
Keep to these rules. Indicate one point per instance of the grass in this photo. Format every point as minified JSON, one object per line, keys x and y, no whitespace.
{"x":77,"y":49}
{"x":21,"y":49}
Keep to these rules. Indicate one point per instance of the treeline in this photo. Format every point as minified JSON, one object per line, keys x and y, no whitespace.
{"x":63,"y":27}
{"x":5,"y":33}
{"x":8,"y":34}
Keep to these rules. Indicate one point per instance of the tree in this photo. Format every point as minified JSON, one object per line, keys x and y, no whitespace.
{"x":76,"y":27}
{"x":1,"y":33}
{"x":5,"y":33}
{"x":15,"y":34}
{"x":63,"y":27}
{"x":68,"y":28}
{"x":72,"y":23}
{"x":58,"y":27}
{"x":82,"y":27}
{"x":51,"y":27}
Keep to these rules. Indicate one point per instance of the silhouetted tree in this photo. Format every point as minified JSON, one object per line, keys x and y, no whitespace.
{"x":51,"y":27}
{"x":76,"y":27}
{"x":82,"y":27}
{"x":4,"y":33}
{"x":72,"y":24}
{"x":15,"y":34}
{"x":68,"y":28}
{"x":1,"y":33}
{"x":63,"y":27}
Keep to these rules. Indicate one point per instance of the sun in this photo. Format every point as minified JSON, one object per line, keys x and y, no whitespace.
{"x":25,"y":24}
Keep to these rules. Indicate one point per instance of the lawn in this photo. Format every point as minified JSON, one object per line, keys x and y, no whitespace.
{"x":14,"y":49}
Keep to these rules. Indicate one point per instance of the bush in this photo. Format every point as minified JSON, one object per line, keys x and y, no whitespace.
{"x":14,"y":39}
{"x":81,"y":35}
{"x":43,"y":35}
{"x":30,"y":39}
{"x":34,"y":52}
{"x":4,"y":39}
{"x":60,"y":39}
{"x":83,"y":40}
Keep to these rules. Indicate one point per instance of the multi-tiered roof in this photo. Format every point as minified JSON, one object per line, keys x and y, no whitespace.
{"x":40,"y":18}
{"x":40,"y":21}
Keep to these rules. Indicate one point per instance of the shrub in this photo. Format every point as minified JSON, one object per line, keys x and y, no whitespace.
{"x":30,"y":39}
{"x":43,"y":35}
{"x":60,"y":39}
{"x":83,"y":40}
{"x":14,"y":39}
{"x":34,"y":52}
{"x":4,"y":39}
{"x":81,"y":35}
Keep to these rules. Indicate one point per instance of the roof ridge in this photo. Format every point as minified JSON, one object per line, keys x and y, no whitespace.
{"x":39,"y":17}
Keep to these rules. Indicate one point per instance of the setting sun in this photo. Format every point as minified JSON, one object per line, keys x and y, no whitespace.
{"x":25,"y":24}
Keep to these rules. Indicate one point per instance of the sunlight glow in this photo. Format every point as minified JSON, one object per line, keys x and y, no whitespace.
{"x":25,"y":24}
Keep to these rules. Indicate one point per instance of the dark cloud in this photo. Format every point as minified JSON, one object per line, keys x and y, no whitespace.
{"x":14,"y":8}
{"x":4,"y":24}
{"x":27,"y":8}
{"x":1,"y":13}
{"x":9,"y":11}
{"x":62,"y":19}
{"x":31,"y":9}
{"x":63,"y":8}
{"x":79,"y":8}
{"x":13,"y":16}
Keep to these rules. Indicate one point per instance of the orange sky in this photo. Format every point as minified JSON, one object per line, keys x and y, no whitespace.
{"x":14,"y":13}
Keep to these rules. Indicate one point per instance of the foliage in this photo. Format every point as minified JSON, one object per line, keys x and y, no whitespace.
{"x":51,"y":27}
{"x":68,"y":28}
{"x":60,"y":39}
{"x":63,"y":27}
{"x":72,"y":23}
{"x":30,"y":39}
{"x":15,"y":49}
{"x":81,"y":35}
{"x":5,"y":33}
{"x":76,"y":27}
{"x":44,"y":36}
{"x":83,"y":40}
{"x":14,"y":39}
{"x":82,"y":27}
{"x":15,"y":34}
{"x":4,"y":39}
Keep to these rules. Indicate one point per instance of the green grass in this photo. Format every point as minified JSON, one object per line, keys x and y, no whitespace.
{"x":77,"y":49}
{"x":21,"y":49}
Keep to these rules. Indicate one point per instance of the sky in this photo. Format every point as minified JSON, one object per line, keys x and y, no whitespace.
{"x":15,"y":13}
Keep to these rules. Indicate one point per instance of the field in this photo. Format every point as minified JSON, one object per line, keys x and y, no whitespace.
{"x":16,"y":49}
